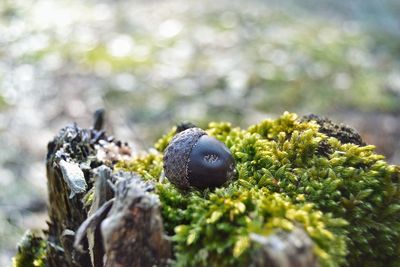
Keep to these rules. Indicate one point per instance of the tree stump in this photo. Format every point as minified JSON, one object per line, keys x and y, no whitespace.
{"x":123,"y":226}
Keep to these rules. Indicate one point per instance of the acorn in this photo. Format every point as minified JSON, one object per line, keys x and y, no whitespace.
{"x":194,"y":159}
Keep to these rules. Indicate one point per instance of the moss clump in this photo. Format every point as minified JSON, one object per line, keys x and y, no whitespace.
{"x":347,"y":199}
{"x":31,"y":251}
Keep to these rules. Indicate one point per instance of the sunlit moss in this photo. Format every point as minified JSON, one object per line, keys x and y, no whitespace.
{"x":31,"y":251}
{"x":162,"y":143}
{"x":347,"y":201}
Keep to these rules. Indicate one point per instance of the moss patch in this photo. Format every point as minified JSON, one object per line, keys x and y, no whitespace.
{"x":31,"y":251}
{"x":347,"y":199}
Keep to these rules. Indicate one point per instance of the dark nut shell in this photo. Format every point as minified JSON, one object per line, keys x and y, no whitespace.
{"x":210,"y":164}
{"x":194,"y":159}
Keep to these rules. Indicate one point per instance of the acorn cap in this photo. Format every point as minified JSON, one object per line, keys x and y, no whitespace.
{"x":176,"y":156}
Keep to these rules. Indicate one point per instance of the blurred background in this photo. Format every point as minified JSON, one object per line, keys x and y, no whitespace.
{"x":152,"y":64}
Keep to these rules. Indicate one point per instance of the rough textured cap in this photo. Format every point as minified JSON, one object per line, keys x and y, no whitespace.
{"x":176,"y":156}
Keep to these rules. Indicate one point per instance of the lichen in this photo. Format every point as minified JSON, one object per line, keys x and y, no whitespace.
{"x":31,"y":251}
{"x":347,"y":199}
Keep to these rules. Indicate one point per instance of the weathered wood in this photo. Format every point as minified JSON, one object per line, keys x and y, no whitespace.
{"x":284,"y":249}
{"x":74,"y":237}
{"x":67,"y":185}
{"x":102,"y":202}
{"x":89,"y":229}
{"x":133,"y":232}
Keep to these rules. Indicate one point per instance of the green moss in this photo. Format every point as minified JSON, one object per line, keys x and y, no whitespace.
{"x":347,"y":199}
{"x":162,"y":143}
{"x":31,"y":251}
{"x":88,"y":198}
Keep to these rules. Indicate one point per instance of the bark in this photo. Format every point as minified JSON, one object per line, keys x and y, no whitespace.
{"x":66,"y":186}
{"x":131,"y":232}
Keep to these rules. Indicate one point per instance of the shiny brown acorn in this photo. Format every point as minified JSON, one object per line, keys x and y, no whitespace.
{"x":194,"y":159}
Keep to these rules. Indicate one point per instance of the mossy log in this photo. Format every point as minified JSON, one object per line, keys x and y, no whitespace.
{"x":103,"y":217}
{"x":123,"y":225}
